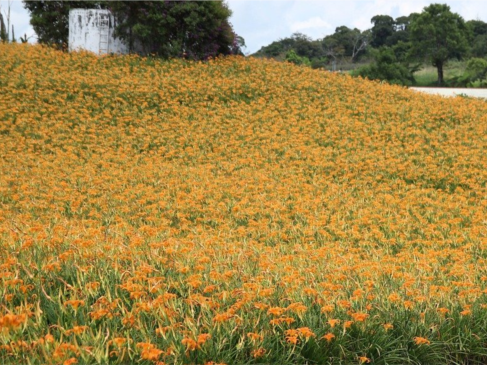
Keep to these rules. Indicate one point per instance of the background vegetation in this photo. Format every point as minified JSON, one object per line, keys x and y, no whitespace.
{"x":396,"y":49}
{"x":196,"y":30}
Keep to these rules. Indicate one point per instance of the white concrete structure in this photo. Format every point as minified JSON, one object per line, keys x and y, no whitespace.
{"x":92,"y":30}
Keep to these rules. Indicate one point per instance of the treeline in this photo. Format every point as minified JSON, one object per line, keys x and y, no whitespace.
{"x":393,"y":49}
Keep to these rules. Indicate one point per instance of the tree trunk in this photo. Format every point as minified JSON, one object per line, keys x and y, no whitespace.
{"x":439,"y":66}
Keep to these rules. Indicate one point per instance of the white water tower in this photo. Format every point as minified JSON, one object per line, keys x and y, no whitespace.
{"x":93,"y":30}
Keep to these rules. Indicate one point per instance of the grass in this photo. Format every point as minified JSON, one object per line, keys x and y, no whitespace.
{"x":235,"y":211}
{"x":428,"y":75}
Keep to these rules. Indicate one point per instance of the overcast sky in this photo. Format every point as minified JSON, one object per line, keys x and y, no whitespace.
{"x":261,"y":22}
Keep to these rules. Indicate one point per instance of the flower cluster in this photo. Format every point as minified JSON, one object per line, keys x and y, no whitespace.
{"x":233,"y":211}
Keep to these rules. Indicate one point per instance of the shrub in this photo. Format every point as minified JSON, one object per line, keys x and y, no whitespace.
{"x":293,"y":57}
{"x":387,"y":68}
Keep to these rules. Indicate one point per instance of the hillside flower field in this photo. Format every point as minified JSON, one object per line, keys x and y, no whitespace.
{"x":238,"y":211}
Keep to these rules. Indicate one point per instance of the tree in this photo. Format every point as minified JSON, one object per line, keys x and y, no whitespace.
{"x":302,"y":46}
{"x":354,"y":41}
{"x":477,"y":67}
{"x":386,"y":67}
{"x":383,"y":28}
{"x":293,"y":57}
{"x":333,"y":49}
{"x":477,"y":27}
{"x":3,"y":31}
{"x":478,"y":41}
{"x":401,"y":30}
{"x":50,"y":19}
{"x":479,"y":46}
{"x":438,"y":35}
{"x":401,"y":23}
{"x":191,"y":29}
{"x":345,"y":42}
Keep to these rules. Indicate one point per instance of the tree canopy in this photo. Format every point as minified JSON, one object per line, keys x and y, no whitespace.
{"x":438,"y":35}
{"x":383,"y":28}
{"x":478,"y":32}
{"x":192,"y":29}
{"x":346,"y":42}
{"x":387,"y":66}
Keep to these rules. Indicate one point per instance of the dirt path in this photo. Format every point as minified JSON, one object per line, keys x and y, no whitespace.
{"x":476,"y":93}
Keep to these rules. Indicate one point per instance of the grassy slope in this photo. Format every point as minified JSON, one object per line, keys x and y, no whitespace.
{"x":428,"y":75}
{"x":236,"y":211}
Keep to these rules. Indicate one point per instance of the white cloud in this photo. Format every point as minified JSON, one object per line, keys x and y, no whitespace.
{"x":312,"y":23}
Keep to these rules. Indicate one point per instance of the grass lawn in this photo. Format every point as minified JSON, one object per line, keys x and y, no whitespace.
{"x":428,"y":75}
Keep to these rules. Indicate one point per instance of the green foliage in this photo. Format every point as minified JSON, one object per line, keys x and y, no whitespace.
{"x":306,"y":47}
{"x":383,"y":28}
{"x":3,"y":31}
{"x":272,"y":50}
{"x":477,"y":67}
{"x":300,"y":43}
{"x":427,"y":75}
{"x":435,"y":36}
{"x":303,"y":48}
{"x":320,"y":62}
{"x":50,"y":19}
{"x":438,"y":35}
{"x":478,"y":27}
{"x":293,"y":57}
{"x":401,"y":30}
{"x":191,"y":29}
{"x":479,"y":46}
{"x":478,"y":41}
{"x":24,"y":39}
{"x":346,"y":43}
{"x":386,"y":67}
{"x":476,"y":73}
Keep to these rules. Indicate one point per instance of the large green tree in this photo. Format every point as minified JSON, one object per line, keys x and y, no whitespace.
{"x":50,"y":19}
{"x":3,"y":30}
{"x":383,"y":28}
{"x":192,"y":29}
{"x":439,"y":35}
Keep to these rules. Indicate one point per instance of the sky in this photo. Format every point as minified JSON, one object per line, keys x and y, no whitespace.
{"x":260,"y":22}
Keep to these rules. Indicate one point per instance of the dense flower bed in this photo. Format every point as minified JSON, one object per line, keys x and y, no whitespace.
{"x":235,"y":211}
